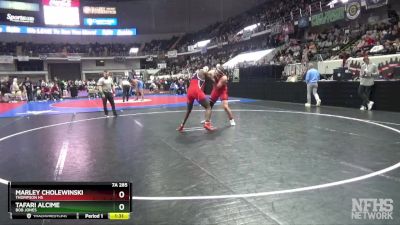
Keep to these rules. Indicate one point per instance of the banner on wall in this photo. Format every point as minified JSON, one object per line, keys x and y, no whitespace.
{"x":17,"y":18}
{"x":119,"y":59}
{"x":43,"y":57}
{"x":353,"y":10}
{"x":22,"y":58}
{"x":386,"y":65}
{"x":276,"y":28}
{"x":172,"y":54}
{"x":329,"y":16}
{"x":99,"y":10}
{"x":6,"y":59}
{"x":149,"y":59}
{"x":74,"y":58}
{"x":236,"y":76}
{"x":67,"y":31}
{"x":191,"y":48}
{"x":100,"y":21}
{"x":161,"y":65}
{"x":246,"y":35}
{"x":372,"y":4}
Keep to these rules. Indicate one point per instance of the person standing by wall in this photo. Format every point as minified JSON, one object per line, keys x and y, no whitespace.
{"x":367,"y":75}
{"x":312,"y":78}
{"x":29,"y":88}
{"x":106,"y":91}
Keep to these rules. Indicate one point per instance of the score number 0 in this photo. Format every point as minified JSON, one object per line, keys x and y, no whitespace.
{"x":121,"y":206}
{"x":121,"y":194}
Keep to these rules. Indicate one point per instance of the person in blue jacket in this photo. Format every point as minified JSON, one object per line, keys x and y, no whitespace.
{"x":312,"y":78}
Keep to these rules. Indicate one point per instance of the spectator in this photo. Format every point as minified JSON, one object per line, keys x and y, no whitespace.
{"x":368,"y":72}
{"x":29,"y":88}
{"x":55,"y":92}
{"x":15,"y":90}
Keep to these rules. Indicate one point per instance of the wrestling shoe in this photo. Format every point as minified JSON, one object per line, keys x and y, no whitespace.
{"x":370,"y":105}
{"x":362,"y":108}
{"x":232,"y":122}
{"x":308,"y":105}
{"x":203,"y":121}
{"x":208,"y":126}
{"x":180,"y":128}
{"x":319,"y":103}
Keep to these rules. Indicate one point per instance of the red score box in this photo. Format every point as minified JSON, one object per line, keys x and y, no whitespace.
{"x":88,"y":195}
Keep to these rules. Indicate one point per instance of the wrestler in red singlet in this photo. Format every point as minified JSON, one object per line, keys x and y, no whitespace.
{"x":220,"y":90}
{"x":195,"y":92}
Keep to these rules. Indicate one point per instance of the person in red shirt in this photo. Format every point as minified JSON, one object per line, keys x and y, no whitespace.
{"x":45,"y":92}
{"x":369,"y":41}
{"x":195,"y":92}
{"x":55,"y":92}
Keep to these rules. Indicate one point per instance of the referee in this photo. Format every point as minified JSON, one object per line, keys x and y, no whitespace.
{"x":106,"y":91}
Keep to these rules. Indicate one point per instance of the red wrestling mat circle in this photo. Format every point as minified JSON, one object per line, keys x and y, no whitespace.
{"x":5,"y":107}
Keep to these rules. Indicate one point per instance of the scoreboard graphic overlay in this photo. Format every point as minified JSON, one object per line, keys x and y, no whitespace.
{"x":70,"y":200}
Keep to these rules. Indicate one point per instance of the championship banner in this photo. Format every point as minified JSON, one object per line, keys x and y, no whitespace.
{"x":372,"y":4}
{"x":172,"y":54}
{"x":23,"y":58}
{"x":149,"y":59}
{"x":328,"y":17}
{"x":161,"y":65}
{"x":353,"y":10}
{"x":43,"y":57}
{"x":246,"y":35}
{"x":74,"y":58}
{"x":236,"y":76}
{"x":276,"y":28}
{"x":6,"y":59}
{"x":120,"y":59}
{"x":191,"y":48}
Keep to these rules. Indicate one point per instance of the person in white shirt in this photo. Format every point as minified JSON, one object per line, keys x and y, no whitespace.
{"x":368,"y":72}
{"x":15,"y":90}
{"x":106,"y":91}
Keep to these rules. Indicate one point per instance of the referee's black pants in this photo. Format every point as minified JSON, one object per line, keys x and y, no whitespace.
{"x":109,"y":96}
{"x":125,"y":93}
{"x":364,"y":92}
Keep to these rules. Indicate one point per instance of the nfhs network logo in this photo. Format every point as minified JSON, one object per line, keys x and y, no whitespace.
{"x":372,"y":209}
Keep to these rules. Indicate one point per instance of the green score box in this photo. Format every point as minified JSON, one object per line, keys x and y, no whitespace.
{"x":70,"y":206}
